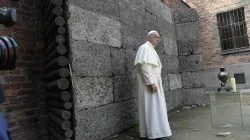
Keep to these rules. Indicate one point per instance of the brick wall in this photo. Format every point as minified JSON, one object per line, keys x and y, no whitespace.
{"x":209,"y":34}
{"x":175,"y":4}
{"x":24,"y":88}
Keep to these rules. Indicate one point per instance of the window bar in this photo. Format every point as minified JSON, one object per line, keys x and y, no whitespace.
{"x":244,"y":29}
{"x":224,"y":17}
{"x":241,"y":22}
{"x":232,"y":31}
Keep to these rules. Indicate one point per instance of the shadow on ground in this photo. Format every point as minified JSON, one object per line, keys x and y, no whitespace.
{"x":193,"y":123}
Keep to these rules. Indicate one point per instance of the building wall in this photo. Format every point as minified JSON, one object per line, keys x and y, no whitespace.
{"x":209,"y":34}
{"x":190,"y":57}
{"x":24,"y":89}
{"x":176,"y":4}
{"x":104,"y":37}
{"x":235,"y":61}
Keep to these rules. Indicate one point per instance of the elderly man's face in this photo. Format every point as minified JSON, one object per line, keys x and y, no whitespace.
{"x":154,"y":39}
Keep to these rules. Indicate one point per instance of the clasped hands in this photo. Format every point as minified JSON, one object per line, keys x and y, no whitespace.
{"x":153,"y":88}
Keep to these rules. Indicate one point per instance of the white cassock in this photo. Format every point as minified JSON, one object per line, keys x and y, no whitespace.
{"x":153,"y":118}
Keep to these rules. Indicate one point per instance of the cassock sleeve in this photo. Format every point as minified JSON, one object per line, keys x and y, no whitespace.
{"x":147,"y":76}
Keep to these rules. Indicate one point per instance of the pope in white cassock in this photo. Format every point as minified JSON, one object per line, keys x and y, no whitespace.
{"x":153,"y":118}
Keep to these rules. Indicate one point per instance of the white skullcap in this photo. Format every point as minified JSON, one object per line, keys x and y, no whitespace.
{"x":153,"y":31}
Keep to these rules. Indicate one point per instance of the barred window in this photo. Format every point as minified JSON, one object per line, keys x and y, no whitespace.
{"x":232,"y":29}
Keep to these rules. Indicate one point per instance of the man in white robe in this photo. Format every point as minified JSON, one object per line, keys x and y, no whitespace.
{"x":153,"y":118}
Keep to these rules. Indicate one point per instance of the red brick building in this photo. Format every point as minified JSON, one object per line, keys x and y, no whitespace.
{"x":224,"y":28}
{"x":24,"y":86}
{"x":231,"y":51}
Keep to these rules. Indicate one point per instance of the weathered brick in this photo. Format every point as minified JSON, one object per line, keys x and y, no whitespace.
{"x":14,"y":4}
{"x":28,"y":85}
{"x":15,"y":130}
{"x":12,"y":124}
{"x":14,"y":78}
{"x":25,"y":92}
{"x":209,"y":33}
{"x":6,"y":33}
{"x":15,"y":100}
{"x":29,"y":2}
{"x":27,"y":99}
{"x":5,"y":86}
{"x":24,"y":32}
{"x":19,"y":114}
{"x":10,"y":93}
{"x":13,"y":137}
{"x":5,"y":2}
{"x":11,"y":108}
{"x":28,"y":120}
{"x":7,"y":101}
{"x":7,"y":116}
{"x":15,"y":71}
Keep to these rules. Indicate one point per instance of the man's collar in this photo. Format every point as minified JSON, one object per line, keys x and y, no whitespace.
{"x":150,"y":44}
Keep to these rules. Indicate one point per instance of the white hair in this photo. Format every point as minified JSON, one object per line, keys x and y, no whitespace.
{"x":151,"y":32}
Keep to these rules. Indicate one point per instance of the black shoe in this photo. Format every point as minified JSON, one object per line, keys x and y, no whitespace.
{"x":163,"y":139}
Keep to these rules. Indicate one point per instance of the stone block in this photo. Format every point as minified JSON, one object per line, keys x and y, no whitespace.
{"x":118,"y":61}
{"x":174,"y":81}
{"x":169,"y":100}
{"x":160,"y":48}
{"x":89,"y":59}
{"x":194,"y":96}
{"x":92,"y":91}
{"x":109,"y":8}
{"x":177,"y":98}
{"x":131,"y":13}
{"x":185,"y":15}
{"x":167,"y":14}
{"x":193,"y":79}
{"x":170,"y":46}
{"x":155,"y":7}
{"x":133,"y":37}
{"x":190,"y":63}
{"x":165,"y":82}
{"x":187,"y":31}
{"x":129,"y":62}
{"x":86,"y":25}
{"x":150,"y":21}
{"x":174,"y":99}
{"x":105,"y":121}
{"x":124,"y":88}
{"x":140,"y":3}
{"x":188,"y":47}
{"x":170,"y":64}
{"x":166,"y":28}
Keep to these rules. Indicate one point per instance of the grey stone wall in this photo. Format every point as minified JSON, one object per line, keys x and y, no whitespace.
{"x":190,"y":57}
{"x":104,"y":36}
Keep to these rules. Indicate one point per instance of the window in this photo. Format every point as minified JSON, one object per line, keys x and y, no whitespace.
{"x":232,"y":29}
{"x":239,"y":78}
